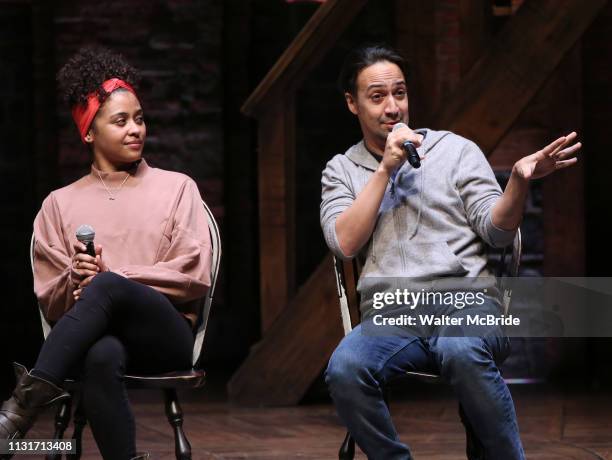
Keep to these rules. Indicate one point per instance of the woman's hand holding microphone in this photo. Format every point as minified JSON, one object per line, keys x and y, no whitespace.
{"x":87,"y":260}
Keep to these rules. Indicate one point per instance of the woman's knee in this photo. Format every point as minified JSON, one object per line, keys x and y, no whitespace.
{"x":107,"y":289}
{"x":106,"y":357}
{"x":108,"y":282}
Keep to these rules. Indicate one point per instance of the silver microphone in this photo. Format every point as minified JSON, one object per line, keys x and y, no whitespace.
{"x":86,"y":234}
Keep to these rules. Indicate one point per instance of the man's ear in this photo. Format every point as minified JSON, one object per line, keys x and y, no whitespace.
{"x":351,"y":103}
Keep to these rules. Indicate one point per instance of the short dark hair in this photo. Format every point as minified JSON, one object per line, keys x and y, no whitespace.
{"x":85,"y":72}
{"x":362,"y":57}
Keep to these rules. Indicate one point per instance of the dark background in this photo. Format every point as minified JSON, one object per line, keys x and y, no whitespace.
{"x":200,"y":60}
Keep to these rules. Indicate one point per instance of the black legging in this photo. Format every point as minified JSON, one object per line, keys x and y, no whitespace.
{"x":117,"y":325}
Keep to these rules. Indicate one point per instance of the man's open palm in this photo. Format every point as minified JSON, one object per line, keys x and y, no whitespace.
{"x":556,"y":155}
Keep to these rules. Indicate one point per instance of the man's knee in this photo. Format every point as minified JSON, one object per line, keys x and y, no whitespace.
{"x":345,"y":369}
{"x":462,"y":354}
{"x":105,"y":357}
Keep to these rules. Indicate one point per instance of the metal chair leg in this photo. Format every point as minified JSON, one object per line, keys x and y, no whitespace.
{"x":62,"y":419}
{"x":347,"y":449}
{"x":182,"y":448}
{"x":79,"y":424}
{"x":474,"y":449}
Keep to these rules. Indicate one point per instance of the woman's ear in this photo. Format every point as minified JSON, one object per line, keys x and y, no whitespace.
{"x":89,"y":136}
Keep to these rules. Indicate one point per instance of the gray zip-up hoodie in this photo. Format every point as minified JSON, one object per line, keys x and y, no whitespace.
{"x":432,"y":222}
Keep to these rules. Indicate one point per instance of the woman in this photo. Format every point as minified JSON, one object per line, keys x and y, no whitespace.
{"x":132,"y":306}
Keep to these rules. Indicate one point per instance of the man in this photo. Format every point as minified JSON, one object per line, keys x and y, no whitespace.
{"x":424,"y":223}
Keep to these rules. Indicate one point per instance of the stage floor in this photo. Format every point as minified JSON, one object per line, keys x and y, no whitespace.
{"x":554,"y":423}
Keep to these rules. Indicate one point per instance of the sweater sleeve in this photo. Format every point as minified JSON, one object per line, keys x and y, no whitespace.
{"x":182,"y":270}
{"x":52,"y":258}
{"x":336,"y":197}
{"x":479,"y":191}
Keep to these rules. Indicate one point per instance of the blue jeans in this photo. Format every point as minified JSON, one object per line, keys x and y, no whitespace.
{"x":362,"y":364}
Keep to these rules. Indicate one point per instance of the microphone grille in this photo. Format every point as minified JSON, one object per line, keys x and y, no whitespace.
{"x":399,"y":125}
{"x":85,"y":233}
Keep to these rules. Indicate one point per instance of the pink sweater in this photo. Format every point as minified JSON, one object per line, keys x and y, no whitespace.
{"x":154,"y":232}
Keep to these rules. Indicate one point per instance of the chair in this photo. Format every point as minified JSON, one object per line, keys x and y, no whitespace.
{"x":349,"y":311}
{"x":168,"y":382}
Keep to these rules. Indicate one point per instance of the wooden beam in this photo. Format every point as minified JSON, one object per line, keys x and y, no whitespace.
{"x":474,"y":33}
{"x":318,"y":35}
{"x":488,"y":100}
{"x":276,"y":208}
{"x":282,"y":367}
{"x":276,"y":134}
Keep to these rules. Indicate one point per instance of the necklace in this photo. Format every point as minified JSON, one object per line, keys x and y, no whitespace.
{"x":111,"y":197}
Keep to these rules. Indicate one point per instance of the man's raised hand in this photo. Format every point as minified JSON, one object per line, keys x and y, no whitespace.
{"x":556,"y":155}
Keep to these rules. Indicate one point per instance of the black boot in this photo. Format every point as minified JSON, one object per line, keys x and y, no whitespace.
{"x":30,"y":396}
{"x":141,"y":456}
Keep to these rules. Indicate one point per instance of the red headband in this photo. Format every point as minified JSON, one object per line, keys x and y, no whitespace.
{"x":83,"y":115}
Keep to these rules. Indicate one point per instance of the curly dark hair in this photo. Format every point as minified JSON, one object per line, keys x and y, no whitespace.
{"x":85,"y":72}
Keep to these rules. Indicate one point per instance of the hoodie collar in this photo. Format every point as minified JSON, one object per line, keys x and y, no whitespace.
{"x":360,"y":155}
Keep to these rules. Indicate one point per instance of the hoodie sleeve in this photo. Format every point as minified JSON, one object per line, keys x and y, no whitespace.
{"x":336,"y":197}
{"x":52,"y":258}
{"x":479,"y":191}
{"x":182,"y":272}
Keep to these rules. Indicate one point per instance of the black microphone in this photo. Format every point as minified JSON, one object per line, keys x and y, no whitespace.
{"x":85,"y":234}
{"x":409,"y":148}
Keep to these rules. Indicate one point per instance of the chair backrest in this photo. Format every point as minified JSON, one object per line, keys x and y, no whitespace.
{"x":215,"y":243}
{"x":348,"y":309}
